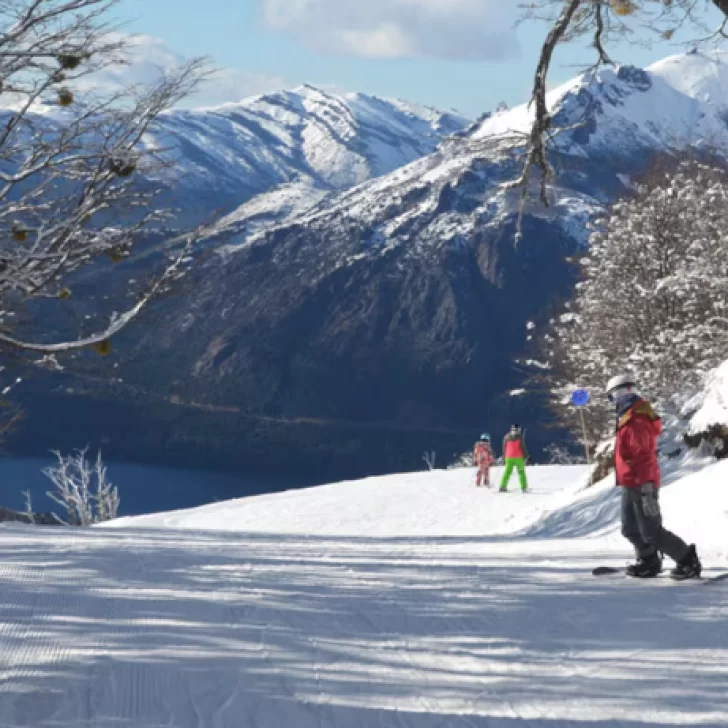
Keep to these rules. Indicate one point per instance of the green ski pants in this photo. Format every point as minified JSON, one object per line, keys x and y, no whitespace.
{"x":520,"y":466}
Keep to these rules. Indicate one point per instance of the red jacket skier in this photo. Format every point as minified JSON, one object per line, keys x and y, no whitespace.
{"x":635,"y":452}
{"x":638,"y":475}
{"x":483,"y":458}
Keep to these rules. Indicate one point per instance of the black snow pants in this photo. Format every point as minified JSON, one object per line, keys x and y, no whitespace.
{"x":642,"y":524}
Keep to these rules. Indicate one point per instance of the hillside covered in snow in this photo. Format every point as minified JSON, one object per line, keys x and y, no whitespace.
{"x":406,"y":601}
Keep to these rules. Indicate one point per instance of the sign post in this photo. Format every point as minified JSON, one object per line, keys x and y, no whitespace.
{"x":580,"y":398}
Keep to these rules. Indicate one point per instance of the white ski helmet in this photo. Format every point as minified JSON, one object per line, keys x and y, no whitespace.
{"x":621,"y":380}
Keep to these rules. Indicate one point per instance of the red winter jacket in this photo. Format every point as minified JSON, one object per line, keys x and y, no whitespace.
{"x":635,"y":452}
{"x":514,"y":447}
{"x":483,"y":454}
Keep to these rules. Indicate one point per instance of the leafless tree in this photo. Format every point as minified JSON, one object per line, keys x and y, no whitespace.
{"x":604,"y":22}
{"x":75,"y":167}
{"x":83,"y":489}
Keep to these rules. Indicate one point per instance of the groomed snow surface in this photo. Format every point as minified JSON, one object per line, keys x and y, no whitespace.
{"x":407,"y":601}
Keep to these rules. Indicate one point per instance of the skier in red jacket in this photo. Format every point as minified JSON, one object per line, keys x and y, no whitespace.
{"x":638,"y":474}
{"x":483,"y":458}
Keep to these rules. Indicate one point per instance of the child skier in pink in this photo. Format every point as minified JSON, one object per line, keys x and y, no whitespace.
{"x":483,"y":458}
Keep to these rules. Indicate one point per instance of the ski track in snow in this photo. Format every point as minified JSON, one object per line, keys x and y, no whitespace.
{"x":412,"y":601}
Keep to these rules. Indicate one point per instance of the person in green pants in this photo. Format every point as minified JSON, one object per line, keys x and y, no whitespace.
{"x":515,"y":455}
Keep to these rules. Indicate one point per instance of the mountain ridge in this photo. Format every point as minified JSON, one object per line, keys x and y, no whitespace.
{"x":304,"y":136}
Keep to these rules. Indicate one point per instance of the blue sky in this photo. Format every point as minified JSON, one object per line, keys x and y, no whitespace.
{"x":461,"y":54}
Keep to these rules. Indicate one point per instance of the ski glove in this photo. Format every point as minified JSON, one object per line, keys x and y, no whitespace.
{"x":650,"y":504}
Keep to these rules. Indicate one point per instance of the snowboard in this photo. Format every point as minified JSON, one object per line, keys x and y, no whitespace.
{"x":610,"y":570}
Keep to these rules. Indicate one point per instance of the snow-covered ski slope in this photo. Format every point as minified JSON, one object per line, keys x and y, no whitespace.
{"x":413,"y":601}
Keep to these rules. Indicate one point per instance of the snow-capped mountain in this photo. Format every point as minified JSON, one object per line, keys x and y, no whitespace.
{"x":306,"y":138}
{"x":622,"y":116}
{"x":389,"y":317}
{"x":679,"y":101}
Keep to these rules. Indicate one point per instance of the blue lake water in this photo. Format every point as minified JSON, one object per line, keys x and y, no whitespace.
{"x":143,"y":488}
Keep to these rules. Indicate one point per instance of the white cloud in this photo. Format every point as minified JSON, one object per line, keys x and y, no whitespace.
{"x":234,"y":84}
{"x":451,"y":29}
{"x":148,"y":58}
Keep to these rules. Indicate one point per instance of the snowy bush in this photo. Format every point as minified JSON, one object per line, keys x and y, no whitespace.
{"x":653,"y":298}
{"x":82,"y":488}
{"x":557,"y":455}
{"x":464,"y":460}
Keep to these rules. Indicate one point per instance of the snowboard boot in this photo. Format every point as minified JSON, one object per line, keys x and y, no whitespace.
{"x":689,"y":567}
{"x":645,"y":568}
{"x":502,"y":490}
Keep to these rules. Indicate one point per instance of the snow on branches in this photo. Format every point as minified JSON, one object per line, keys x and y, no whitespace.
{"x":653,"y":298}
{"x":72,"y":164}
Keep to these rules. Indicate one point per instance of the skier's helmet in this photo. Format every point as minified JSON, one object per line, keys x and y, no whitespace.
{"x":620,"y":385}
{"x":515,"y":428}
{"x":485,"y":437}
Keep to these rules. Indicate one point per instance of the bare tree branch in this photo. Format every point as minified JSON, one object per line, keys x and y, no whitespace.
{"x":599,"y":32}
{"x":75,"y":168}
{"x":605,"y":20}
{"x":120,"y":321}
{"x":537,"y":154}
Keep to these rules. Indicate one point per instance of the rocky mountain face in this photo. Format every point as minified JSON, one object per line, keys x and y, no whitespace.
{"x":344,"y":332}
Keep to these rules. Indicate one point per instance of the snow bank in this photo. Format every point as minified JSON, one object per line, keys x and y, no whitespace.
{"x":441,"y":502}
{"x":694,"y":500}
{"x":712,"y":403}
{"x":696,"y":507}
{"x":445,"y":503}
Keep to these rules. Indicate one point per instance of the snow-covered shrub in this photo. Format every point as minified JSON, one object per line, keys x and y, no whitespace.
{"x":83,"y":489}
{"x":707,"y":416}
{"x":464,"y":460}
{"x":558,"y":455}
{"x":653,"y":298}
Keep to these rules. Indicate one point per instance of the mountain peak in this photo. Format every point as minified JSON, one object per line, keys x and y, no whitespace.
{"x":698,"y":75}
{"x":309,"y":90}
{"x":679,"y":100}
